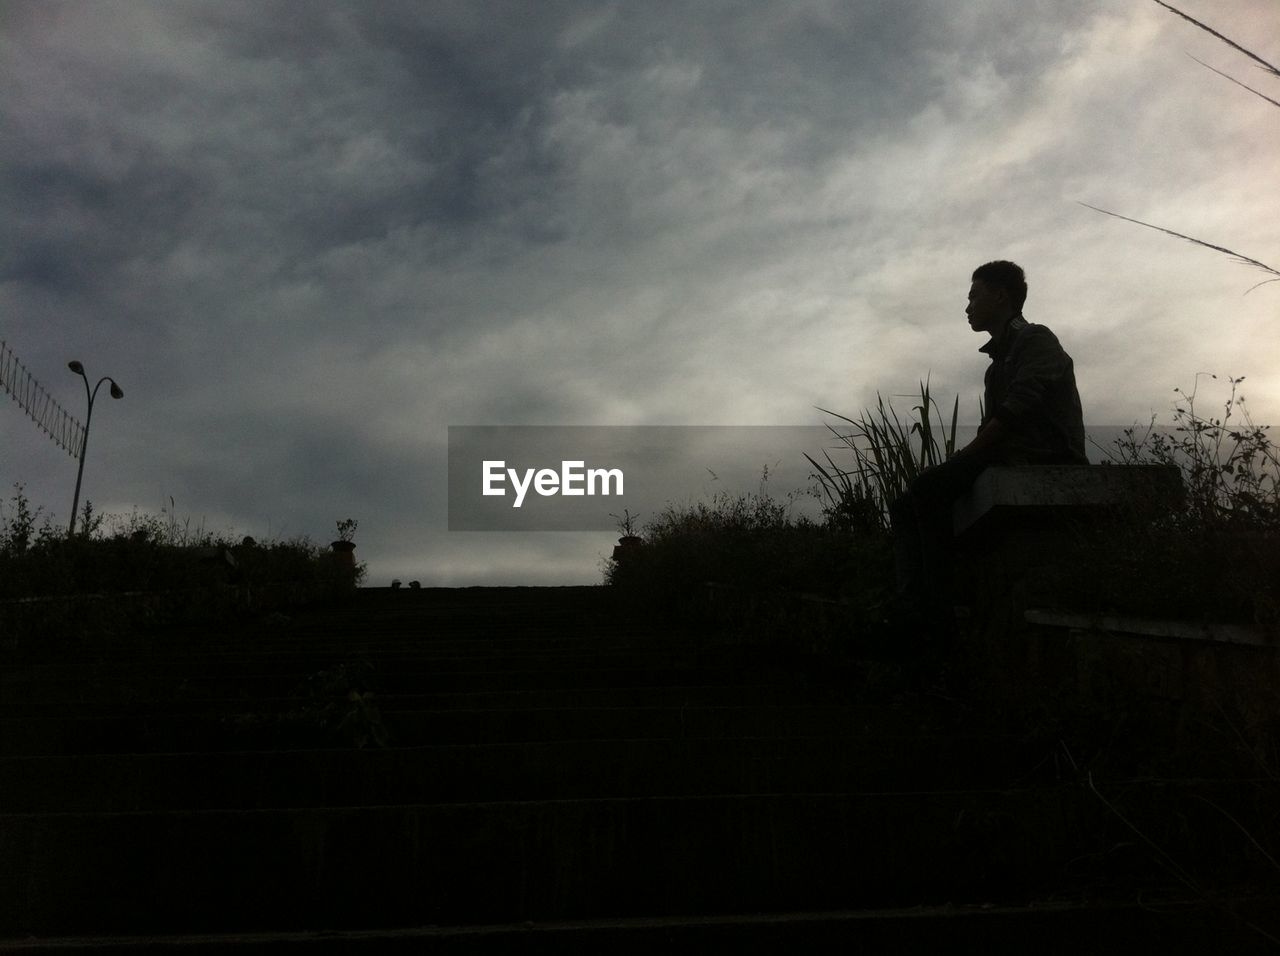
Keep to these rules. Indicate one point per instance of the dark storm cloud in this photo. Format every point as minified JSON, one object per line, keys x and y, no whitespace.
{"x":457,"y":93}
{"x":303,"y":129}
{"x":75,"y":225}
{"x":316,"y":132}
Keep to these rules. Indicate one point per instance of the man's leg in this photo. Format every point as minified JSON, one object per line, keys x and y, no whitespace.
{"x":922,"y":533}
{"x":908,"y":557}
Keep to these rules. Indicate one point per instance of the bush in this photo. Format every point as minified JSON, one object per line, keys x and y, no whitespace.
{"x":143,"y":552}
{"x":1215,"y":556}
{"x":753,"y":542}
{"x":1232,"y":473}
{"x":18,"y":531}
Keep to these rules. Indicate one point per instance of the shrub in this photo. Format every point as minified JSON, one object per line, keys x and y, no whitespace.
{"x":1232,"y":473}
{"x":752,"y":541}
{"x":748,"y":541}
{"x":18,"y":530}
{"x":1213,"y":557}
{"x":145,"y":552}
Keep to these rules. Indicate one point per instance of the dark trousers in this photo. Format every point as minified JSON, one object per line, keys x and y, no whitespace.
{"x":922,"y":532}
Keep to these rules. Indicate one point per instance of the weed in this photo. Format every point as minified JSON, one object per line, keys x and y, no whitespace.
{"x":339,"y":700}
{"x":18,"y":529}
{"x":1232,"y":473}
{"x":90,"y":520}
{"x":750,"y":541}
{"x":1212,"y":556}
{"x":145,"y":552}
{"x":888,"y":453}
{"x":337,"y":706}
{"x":627,"y":523}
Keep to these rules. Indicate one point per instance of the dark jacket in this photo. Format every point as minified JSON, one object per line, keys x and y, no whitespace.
{"x":1031,"y":388}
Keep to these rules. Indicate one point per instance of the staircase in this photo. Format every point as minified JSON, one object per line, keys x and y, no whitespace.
{"x":527,"y":770}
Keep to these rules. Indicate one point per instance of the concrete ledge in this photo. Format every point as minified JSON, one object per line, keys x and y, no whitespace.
{"x":1147,"y":627}
{"x":1004,"y":488}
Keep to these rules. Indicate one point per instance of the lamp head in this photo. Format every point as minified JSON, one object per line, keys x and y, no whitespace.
{"x":116,"y":390}
{"x":76,"y":367}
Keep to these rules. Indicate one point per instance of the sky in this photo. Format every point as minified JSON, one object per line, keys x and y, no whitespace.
{"x":307,"y":238}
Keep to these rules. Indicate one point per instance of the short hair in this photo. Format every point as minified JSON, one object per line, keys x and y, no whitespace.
{"x":1005,"y":275}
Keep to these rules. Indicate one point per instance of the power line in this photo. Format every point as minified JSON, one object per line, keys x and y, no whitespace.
{"x":52,"y":418}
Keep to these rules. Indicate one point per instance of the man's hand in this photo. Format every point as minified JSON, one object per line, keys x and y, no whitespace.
{"x":989,"y":437}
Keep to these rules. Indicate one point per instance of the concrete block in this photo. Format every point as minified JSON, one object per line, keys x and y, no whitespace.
{"x":1147,"y":627}
{"x":1064,"y":489}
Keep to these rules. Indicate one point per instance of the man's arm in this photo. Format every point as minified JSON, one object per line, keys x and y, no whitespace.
{"x":989,"y":436}
{"x":1040,"y":365}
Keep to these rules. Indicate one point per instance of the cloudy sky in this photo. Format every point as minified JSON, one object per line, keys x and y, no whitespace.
{"x":306,"y":238}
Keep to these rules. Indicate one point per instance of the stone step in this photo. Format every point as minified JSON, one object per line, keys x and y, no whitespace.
{"x":160,"y":647}
{"x":455,"y":863}
{"x":697,"y":695}
{"x":301,"y":664}
{"x":259,"y":730}
{"x":577,"y":616}
{"x":1172,"y":922}
{"x":395,"y":681}
{"x":271,"y":779}
{"x":393,"y":676}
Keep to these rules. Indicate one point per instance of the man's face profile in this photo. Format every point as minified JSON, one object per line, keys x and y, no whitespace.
{"x":987,"y":309}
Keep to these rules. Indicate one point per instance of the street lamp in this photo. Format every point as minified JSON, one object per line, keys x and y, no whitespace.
{"x":116,"y":392}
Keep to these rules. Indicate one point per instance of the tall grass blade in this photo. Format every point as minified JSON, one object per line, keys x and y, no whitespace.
{"x":1235,"y":81}
{"x":1274,"y":71}
{"x":1244,"y":260}
{"x":886,"y":457}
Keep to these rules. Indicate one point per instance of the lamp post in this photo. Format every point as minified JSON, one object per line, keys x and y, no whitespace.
{"x":116,"y":392}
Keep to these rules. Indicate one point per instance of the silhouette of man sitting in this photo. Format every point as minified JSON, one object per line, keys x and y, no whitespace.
{"x":1031,"y":415}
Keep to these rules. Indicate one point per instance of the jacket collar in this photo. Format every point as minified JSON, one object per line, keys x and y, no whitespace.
{"x":1016,"y":325}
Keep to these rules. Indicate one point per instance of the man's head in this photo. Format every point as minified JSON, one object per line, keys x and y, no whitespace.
{"x":996,"y":295}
